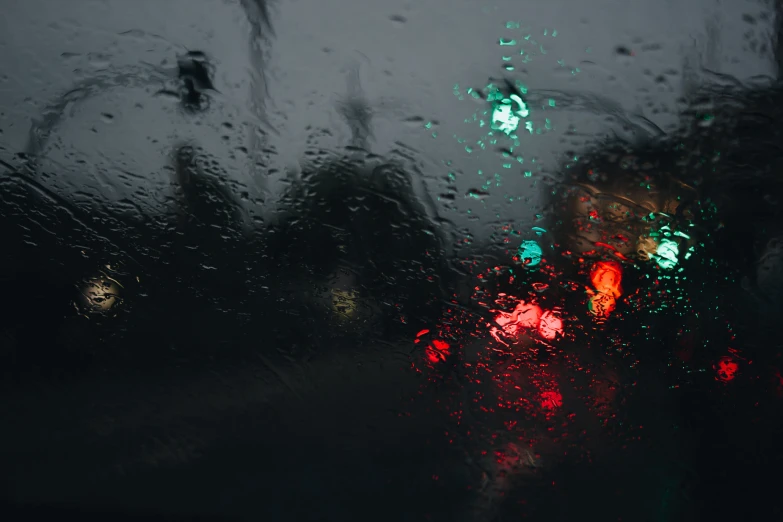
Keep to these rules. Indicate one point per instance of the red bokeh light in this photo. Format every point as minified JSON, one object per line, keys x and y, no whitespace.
{"x":606,"y":277}
{"x":525,"y":315}
{"x":551,"y":400}
{"x":726,"y":369}
{"x":438,"y":351}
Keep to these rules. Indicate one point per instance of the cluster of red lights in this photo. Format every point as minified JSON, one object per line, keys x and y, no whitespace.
{"x":526,"y":317}
{"x":524,"y":385}
{"x":528,"y":320}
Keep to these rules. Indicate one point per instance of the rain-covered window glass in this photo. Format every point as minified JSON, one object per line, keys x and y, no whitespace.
{"x":391,"y":260}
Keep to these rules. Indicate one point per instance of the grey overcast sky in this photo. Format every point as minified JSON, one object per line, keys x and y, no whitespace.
{"x":409,"y":56}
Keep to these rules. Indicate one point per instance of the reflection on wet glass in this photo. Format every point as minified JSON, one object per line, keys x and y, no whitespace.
{"x":541,"y":313}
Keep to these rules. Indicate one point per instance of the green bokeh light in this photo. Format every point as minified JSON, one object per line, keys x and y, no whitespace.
{"x":507,"y":113}
{"x":530,"y":253}
{"x":667,"y":254}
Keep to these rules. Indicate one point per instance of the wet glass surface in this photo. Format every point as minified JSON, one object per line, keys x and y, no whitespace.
{"x":460,"y":261}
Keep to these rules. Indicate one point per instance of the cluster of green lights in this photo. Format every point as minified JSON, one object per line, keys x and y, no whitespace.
{"x":505,"y":113}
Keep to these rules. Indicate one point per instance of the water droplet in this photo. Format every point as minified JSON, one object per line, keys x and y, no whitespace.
{"x":477,"y":194}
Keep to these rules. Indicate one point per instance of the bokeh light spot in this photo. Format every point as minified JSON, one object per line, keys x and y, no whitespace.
{"x":100,"y":294}
{"x":529,"y":253}
{"x":726,"y":369}
{"x":601,"y":305}
{"x":667,"y":253}
{"x":507,"y":113}
{"x":606,"y":277}
{"x":438,"y":351}
{"x":551,"y":325}
{"x":551,"y":400}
